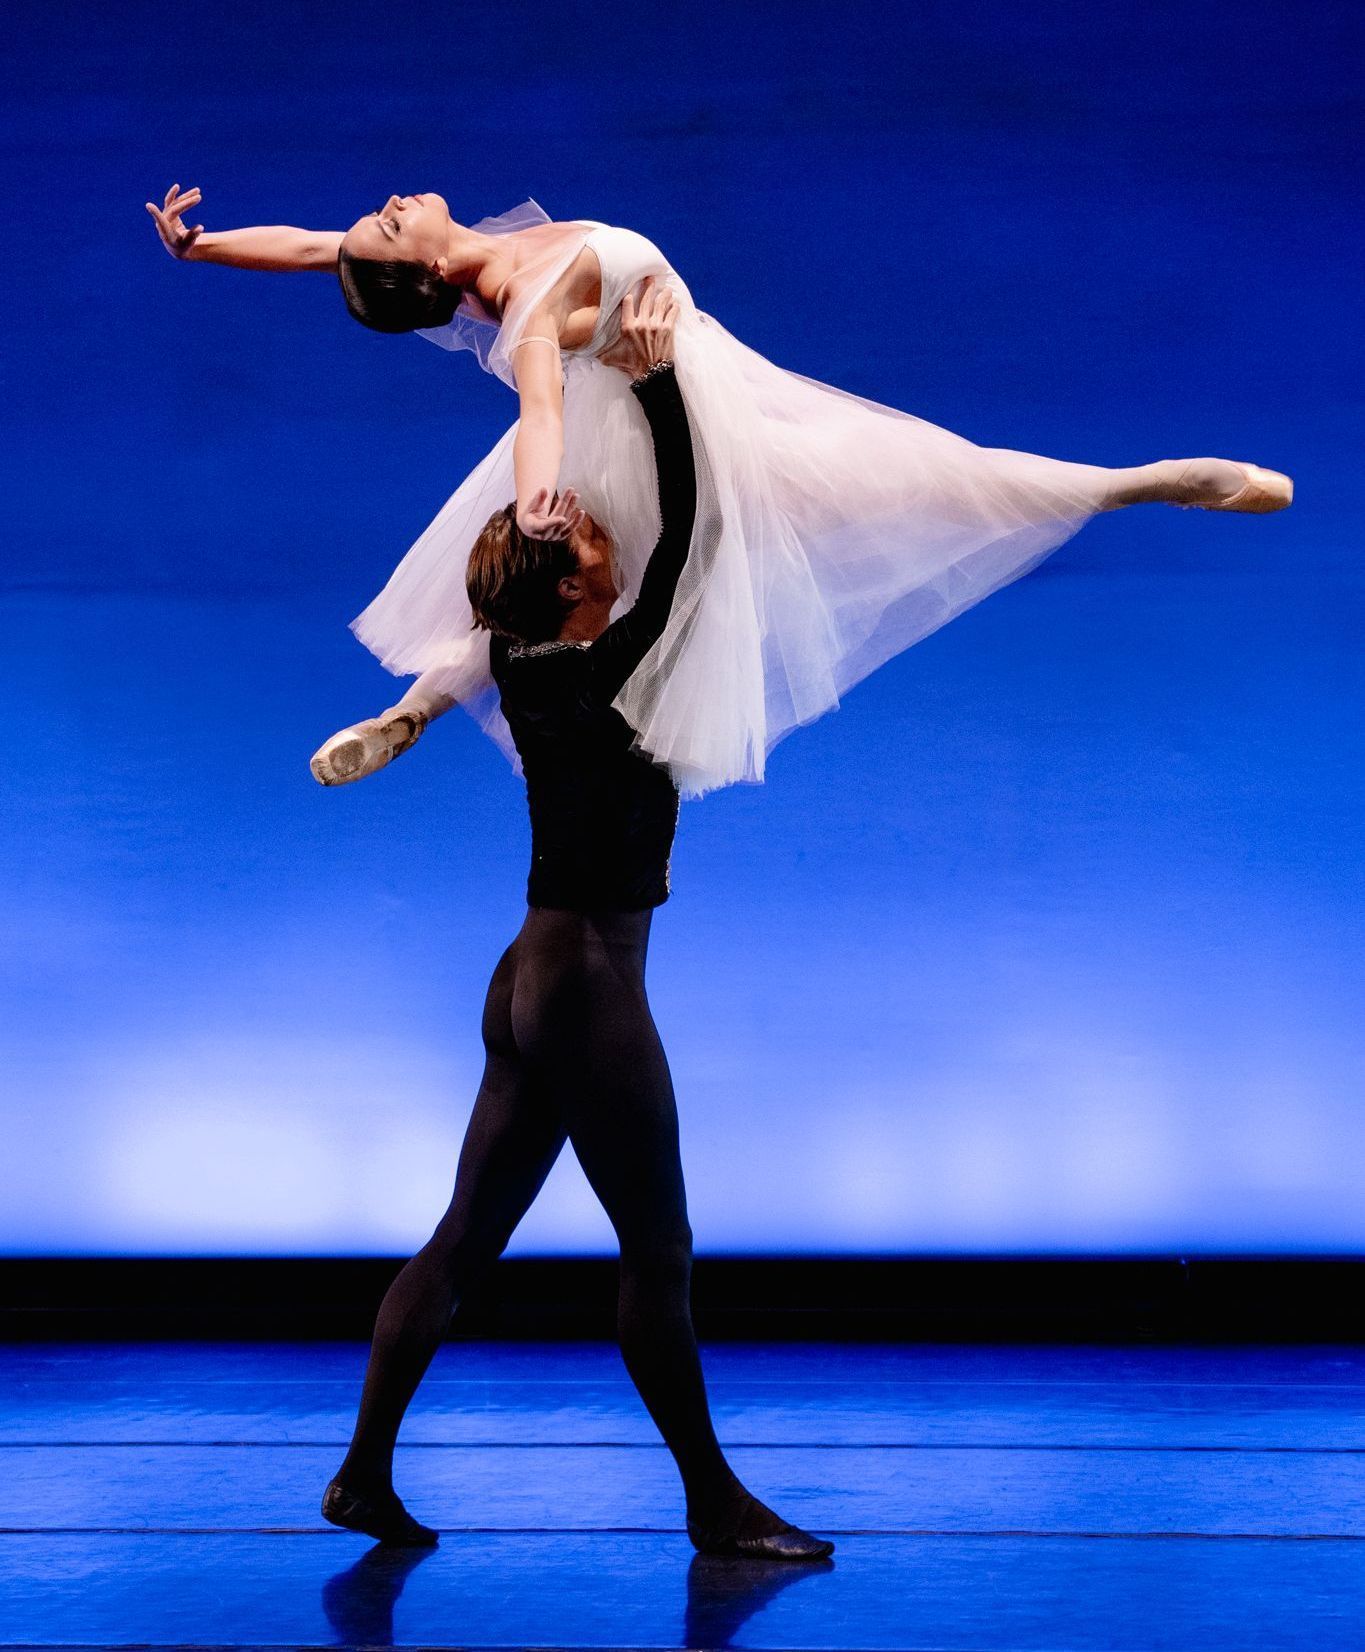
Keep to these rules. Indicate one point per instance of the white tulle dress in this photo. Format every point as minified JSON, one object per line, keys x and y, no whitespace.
{"x":831,"y":533}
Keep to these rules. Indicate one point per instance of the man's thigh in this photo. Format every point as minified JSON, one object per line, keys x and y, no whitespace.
{"x":514,"y":1135}
{"x":619,"y":1109}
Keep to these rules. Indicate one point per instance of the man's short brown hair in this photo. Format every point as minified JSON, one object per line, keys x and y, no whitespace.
{"x":513,"y":580}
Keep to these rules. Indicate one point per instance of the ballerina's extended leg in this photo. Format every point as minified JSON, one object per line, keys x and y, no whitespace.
{"x":371,"y":744}
{"x":1204,"y":484}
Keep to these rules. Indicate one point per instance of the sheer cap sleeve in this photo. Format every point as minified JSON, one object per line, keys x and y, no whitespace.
{"x":473,"y":328}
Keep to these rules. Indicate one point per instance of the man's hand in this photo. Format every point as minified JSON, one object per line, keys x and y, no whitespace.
{"x":550,"y":518}
{"x":646,"y":329}
{"x":175,"y":237}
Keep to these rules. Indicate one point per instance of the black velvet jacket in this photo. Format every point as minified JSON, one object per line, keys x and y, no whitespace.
{"x":603,"y":817}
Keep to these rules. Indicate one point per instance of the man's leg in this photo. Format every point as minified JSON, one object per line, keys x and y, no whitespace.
{"x":512,"y":1141}
{"x":580,"y":1010}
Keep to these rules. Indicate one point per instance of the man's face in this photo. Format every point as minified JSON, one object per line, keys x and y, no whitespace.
{"x":596,"y":559}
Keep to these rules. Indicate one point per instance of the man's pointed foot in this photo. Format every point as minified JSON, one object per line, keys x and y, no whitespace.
{"x":382,"y":1516}
{"x":751,"y":1528}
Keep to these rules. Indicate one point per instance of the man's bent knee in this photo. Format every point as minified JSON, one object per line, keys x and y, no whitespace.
{"x":658,"y":1260}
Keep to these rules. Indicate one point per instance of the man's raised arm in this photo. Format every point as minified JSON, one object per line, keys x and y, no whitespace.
{"x":625,"y":642}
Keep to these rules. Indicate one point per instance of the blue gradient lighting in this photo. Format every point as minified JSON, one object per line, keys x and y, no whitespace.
{"x":1048,"y":940}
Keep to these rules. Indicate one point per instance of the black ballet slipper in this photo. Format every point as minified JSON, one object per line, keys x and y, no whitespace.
{"x":788,"y":1542}
{"x":384,"y":1518}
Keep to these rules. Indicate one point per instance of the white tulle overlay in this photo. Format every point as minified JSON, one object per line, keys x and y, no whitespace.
{"x":832,"y":532}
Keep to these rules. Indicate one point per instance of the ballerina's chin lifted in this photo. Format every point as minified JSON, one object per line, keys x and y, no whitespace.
{"x":831,"y":532}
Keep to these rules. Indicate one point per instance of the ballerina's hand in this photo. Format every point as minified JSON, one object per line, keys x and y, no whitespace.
{"x":175,"y":236}
{"x":550,"y":518}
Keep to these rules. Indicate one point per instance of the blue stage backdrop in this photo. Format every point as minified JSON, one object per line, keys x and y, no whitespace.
{"x":1048,"y":940}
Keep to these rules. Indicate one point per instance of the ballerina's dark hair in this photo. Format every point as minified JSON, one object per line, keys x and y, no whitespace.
{"x":395,"y":295}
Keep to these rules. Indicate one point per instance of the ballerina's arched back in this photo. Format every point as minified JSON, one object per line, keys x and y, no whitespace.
{"x":832,"y":531}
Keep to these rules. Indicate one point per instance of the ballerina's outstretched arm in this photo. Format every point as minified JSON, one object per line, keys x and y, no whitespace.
{"x":279,"y":247}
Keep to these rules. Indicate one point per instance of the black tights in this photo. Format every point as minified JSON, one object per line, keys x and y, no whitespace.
{"x":572,"y":1053}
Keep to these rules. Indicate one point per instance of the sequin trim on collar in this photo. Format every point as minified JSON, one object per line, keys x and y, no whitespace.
{"x":518,"y":648}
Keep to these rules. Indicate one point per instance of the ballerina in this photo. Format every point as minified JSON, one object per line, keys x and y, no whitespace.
{"x":840,"y":531}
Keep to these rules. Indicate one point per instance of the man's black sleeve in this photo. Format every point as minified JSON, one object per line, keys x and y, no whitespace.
{"x":626,"y":641}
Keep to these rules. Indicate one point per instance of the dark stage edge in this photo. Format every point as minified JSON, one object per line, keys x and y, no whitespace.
{"x":1160,"y":1298}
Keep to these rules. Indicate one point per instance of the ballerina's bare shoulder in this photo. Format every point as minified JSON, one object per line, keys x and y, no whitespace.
{"x":575,"y":296}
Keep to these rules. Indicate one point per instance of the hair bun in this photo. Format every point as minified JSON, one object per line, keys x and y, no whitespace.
{"x":395,"y":295}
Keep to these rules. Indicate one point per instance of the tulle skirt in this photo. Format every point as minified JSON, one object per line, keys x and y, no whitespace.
{"x":832,"y":532}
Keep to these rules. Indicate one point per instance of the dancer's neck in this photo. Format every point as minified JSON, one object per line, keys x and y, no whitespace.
{"x":467,"y":255}
{"x":586,"y":623}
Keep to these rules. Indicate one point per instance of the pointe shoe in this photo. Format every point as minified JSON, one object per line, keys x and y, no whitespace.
{"x":1261,"y":490}
{"x":387,"y":1520}
{"x":791,"y":1543}
{"x":366,"y":746}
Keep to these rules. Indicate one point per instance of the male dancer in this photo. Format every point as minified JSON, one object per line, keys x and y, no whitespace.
{"x":572,"y":1051}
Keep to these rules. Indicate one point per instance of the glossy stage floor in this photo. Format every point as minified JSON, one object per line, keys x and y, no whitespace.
{"x":166,"y":1494}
